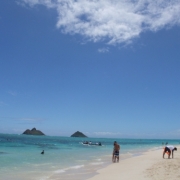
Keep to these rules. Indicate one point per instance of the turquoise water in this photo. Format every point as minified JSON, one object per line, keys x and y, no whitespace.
{"x":20,"y":155}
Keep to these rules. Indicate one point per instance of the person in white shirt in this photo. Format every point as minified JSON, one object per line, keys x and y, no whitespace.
{"x":169,"y":150}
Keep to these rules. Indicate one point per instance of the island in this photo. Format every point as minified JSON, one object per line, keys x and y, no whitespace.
{"x":78,"y":134}
{"x":33,"y":131}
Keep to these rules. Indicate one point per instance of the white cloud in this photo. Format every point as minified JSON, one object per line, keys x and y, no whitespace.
{"x":107,"y":133}
{"x":32,"y":120}
{"x":175,"y":133}
{"x":12,"y":93}
{"x":103,"y":50}
{"x":113,"y":21}
{"x":2,"y":103}
{"x":26,"y":120}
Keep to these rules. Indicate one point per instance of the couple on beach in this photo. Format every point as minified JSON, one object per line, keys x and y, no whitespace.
{"x":115,"y":155}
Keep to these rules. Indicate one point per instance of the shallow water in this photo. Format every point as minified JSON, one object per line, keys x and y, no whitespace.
{"x":64,"y":158}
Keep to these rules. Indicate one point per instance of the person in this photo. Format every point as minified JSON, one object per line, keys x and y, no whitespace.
{"x":169,"y":150}
{"x":99,"y":144}
{"x":115,"y":156}
{"x":42,"y":152}
{"x":85,"y":142}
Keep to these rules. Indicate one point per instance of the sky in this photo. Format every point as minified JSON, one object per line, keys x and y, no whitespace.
{"x":107,"y":68}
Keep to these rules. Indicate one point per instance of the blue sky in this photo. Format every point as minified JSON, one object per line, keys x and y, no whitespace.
{"x":107,"y":69}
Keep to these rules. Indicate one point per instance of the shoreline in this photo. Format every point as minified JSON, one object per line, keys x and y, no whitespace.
{"x":87,"y":172}
{"x":146,"y":166}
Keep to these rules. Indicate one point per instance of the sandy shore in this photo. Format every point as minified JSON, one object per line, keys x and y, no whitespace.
{"x":148,"y":166}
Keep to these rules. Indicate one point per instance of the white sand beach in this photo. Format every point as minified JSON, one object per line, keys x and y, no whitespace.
{"x":148,"y":166}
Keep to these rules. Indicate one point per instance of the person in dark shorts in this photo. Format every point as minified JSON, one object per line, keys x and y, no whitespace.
{"x":115,"y":157}
{"x":169,"y":150}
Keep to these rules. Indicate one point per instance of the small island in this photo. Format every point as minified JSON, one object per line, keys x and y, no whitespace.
{"x":33,"y":131}
{"x":78,"y":134}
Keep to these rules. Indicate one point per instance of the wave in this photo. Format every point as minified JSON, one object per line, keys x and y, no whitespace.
{"x":72,"y":167}
{"x":96,"y":163}
{"x":77,"y":167}
{"x":98,"y":159}
{"x":60,"y":171}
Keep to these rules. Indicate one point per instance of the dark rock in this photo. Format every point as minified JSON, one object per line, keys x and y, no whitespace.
{"x":33,"y":132}
{"x":78,"y":134}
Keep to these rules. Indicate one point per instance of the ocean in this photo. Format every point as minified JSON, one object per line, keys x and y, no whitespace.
{"x":65,"y":158}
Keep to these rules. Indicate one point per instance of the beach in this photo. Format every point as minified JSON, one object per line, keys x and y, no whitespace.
{"x":147,"y":166}
{"x":66,"y":158}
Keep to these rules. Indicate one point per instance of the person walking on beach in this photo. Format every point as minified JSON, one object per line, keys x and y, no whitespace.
{"x":169,"y":149}
{"x":115,"y":156}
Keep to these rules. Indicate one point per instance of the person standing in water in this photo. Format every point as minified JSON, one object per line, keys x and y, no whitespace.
{"x":115,"y":156}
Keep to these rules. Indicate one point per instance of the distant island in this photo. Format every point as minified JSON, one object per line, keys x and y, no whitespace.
{"x":33,"y":132}
{"x":78,"y":134}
